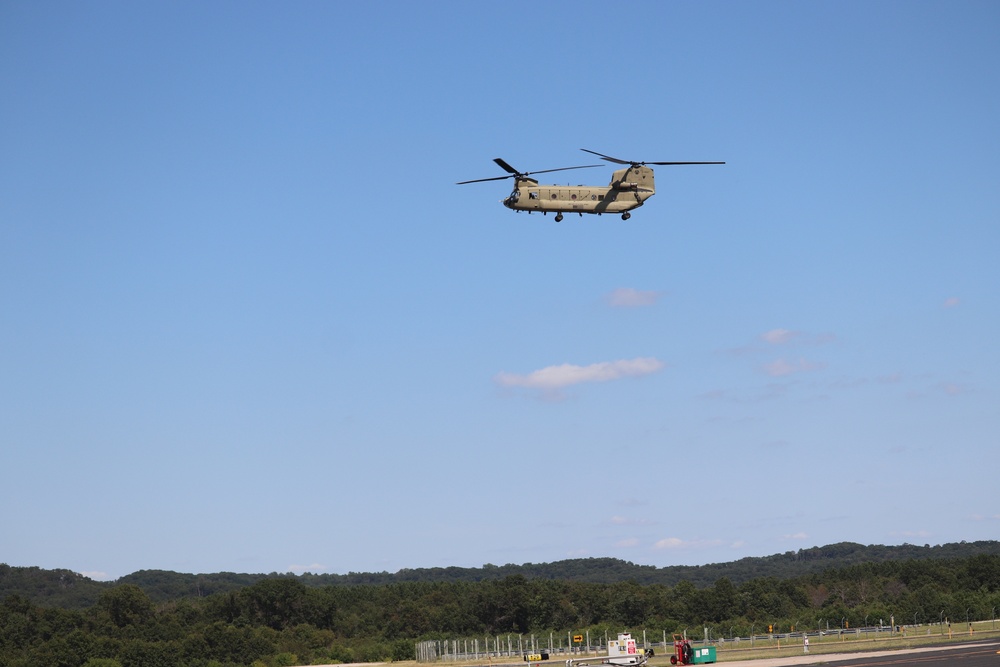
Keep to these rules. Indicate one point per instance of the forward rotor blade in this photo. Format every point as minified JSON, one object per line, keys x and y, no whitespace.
{"x":514,"y":173}
{"x":480,"y":180}
{"x":546,"y":171}
{"x":605,"y":157}
{"x":506,"y":167}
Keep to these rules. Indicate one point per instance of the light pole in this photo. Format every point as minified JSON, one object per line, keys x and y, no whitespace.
{"x":752,"y":626}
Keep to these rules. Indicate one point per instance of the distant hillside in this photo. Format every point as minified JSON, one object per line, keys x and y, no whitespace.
{"x":49,"y":588}
{"x":610,"y":570}
{"x":63,"y":588}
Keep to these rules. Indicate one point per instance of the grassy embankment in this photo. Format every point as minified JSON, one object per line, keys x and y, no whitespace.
{"x":730,"y":651}
{"x":912,"y":637}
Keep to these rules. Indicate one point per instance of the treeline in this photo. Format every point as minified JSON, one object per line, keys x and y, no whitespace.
{"x":67,"y":589}
{"x":282,"y":621}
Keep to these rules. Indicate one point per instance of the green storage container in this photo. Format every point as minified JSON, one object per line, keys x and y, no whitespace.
{"x":702,"y":655}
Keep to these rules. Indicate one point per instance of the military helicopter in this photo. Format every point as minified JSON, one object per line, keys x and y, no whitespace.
{"x":629,"y":188}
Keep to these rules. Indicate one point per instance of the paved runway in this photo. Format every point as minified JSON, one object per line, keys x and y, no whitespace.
{"x":973,"y":654}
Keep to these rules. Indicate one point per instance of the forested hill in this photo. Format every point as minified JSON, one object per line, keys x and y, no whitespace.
{"x":63,"y":588}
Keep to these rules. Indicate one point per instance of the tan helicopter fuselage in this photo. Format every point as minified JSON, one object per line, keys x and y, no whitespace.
{"x":629,"y":189}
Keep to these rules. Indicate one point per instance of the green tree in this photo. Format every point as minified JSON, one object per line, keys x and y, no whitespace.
{"x":102,"y":662}
{"x":277,"y":603}
{"x":126,"y":605}
{"x":720,"y":601}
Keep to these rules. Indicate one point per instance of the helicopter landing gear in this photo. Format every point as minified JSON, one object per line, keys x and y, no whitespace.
{"x":559,"y":217}
{"x":626,"y":215}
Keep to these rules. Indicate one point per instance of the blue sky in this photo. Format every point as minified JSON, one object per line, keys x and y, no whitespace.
{"x":250,"y":323}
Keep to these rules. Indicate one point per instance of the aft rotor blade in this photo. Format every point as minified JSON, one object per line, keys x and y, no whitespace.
{"x":659,"y":163}
{"x":617,"y":161}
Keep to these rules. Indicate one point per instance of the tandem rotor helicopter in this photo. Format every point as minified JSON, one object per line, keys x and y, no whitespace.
{"x":629,"y":188}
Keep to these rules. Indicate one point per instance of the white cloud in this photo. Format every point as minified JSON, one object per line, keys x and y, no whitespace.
{"x":565,"y":375}
{"x":778,"y":336}
{"x":95,"y":575}
{"x":781,"y":367}
{"x":627,"y":297}
{"x":952,"y":302}
{"x":669,"y":543}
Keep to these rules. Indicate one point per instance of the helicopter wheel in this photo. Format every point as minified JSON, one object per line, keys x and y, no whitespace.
{"x":626,"y":215}
{"x":559,"y":217}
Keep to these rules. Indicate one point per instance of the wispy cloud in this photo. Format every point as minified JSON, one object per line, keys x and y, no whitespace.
{"x":626,"y":521}
{"x":628,"y":543}
{"x":795,"y":537}
{"x":910,"y":533}
{"x":782,"y":367}
{"x":671,"y":543}
{"x":954,"y":389}
{"x":779,"y":336}
{"x":952,"y":302}
{"x":553,"y":378}
{"x":627,"y":297}
{"x":782,"y":337}
{"x":776,"y":445}
{"x":770,"y":392}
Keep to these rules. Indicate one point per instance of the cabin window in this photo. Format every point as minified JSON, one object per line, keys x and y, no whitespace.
{"x":600,"y":197}
{"x":553,"y":195}
{"x":573,"y":196}
{"x":532,"y":195}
